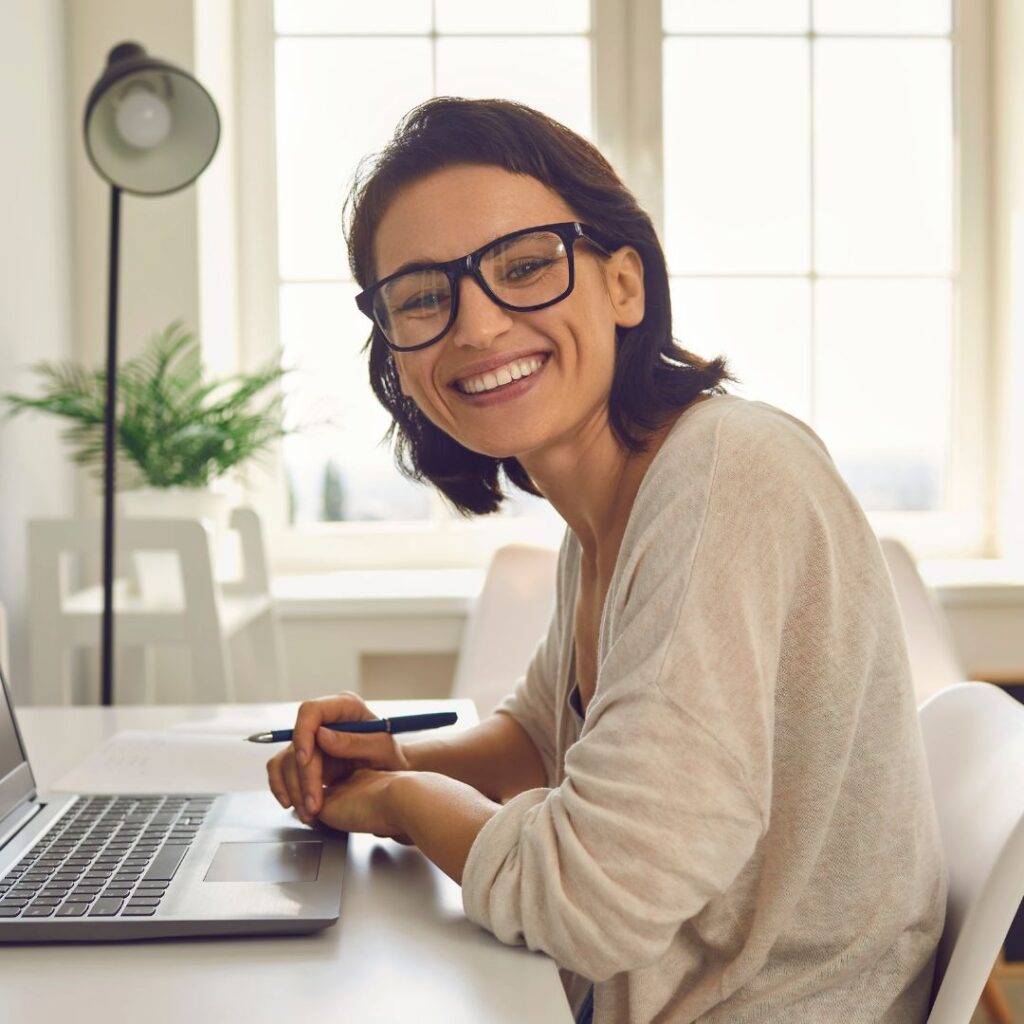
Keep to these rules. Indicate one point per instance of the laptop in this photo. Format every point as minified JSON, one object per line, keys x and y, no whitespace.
{"x":78,"y":867}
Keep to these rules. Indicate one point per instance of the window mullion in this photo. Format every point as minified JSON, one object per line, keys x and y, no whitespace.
{"x":627,"y":88}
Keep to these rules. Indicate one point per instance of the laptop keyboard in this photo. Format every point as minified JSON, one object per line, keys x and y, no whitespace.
{"x":109,"y":856}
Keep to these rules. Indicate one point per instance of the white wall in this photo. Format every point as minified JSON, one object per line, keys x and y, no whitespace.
{"x":1007,"y":33}
{"x":35,"y":284}
{"x":159,"y":235}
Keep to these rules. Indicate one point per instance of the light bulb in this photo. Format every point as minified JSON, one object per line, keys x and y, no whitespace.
{"x":143,"y":119}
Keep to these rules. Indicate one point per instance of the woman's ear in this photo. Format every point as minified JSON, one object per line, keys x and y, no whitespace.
{"x":625,"y":277}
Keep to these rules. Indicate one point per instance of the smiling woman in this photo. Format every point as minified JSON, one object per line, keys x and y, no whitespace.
{"x":499,"y":169}
{"x":687,"y":797}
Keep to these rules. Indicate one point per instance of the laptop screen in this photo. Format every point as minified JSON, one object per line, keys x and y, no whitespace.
{"x":16,"y":782}
{"x":11,"y":754}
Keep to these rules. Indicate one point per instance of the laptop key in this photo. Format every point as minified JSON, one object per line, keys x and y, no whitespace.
{"x":73,"y":910}
{"x":105,"y":907}
{"x":138,"y":911}
{"x":9,"y":911}
{"x":144,"y":901}
{"x":118,"y":893}
{"x":35,"y":911}
{"x":165,"y":864}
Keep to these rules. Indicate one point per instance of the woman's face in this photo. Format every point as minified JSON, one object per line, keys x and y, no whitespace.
{"x":455,"y":211}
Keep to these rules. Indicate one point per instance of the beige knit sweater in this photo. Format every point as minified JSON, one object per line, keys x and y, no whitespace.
{"x":743,"y":830}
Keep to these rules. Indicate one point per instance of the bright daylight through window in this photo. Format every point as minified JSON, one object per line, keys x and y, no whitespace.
{"x":808,"y":222}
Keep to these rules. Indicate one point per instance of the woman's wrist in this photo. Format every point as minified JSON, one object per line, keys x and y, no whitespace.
{"x":405,"y":799}
{"x":416,"y":753}
{"x":440,"y":815}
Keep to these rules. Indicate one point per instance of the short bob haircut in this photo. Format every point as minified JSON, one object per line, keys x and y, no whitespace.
{"x":653,"y":376}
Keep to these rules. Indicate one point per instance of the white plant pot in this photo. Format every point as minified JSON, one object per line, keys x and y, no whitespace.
{"x":159,"y":572}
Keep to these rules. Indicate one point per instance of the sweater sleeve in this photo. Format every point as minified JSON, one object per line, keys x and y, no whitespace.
{"x":667,"y":792}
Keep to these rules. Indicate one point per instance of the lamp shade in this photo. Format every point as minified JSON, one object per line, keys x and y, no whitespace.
{"x":150,"y":128}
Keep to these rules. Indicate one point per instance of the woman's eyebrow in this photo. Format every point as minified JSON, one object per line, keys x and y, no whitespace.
{"x":414,"y":265}
{"x":417,"y":264}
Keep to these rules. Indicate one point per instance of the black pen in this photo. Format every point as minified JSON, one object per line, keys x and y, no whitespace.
{"x":400,"y":723}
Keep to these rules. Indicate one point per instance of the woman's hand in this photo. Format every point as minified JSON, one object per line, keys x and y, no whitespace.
{"x":363,"y":803}
{"x":317,"y":757}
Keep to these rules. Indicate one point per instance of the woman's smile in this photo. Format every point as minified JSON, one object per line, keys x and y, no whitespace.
{"x":504,"y":383}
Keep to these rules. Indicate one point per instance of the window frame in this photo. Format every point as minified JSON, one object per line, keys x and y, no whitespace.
{"x":626,"y":39}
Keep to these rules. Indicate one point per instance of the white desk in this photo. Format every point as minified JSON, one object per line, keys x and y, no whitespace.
{"x":402,"y":950}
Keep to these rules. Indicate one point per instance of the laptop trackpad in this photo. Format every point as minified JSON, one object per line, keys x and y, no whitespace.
{"x":265,"y":862}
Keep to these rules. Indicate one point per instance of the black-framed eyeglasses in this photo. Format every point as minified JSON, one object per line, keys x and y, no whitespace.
{"x":522,"y":271}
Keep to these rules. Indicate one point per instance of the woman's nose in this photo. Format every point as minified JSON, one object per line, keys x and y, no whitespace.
{"x":480,"y":319}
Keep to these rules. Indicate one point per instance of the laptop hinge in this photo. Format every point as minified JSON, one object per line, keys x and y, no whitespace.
{"x":18,"y":820}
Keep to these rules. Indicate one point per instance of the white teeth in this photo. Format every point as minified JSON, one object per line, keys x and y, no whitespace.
{"x":514,"y":370}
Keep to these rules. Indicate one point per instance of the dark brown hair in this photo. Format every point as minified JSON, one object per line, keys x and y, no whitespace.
{"x":653,"y":376}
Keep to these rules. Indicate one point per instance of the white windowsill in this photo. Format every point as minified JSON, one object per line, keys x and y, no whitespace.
{"x":427,"y":592}
{"x":377,"y":592}
{"x":975,"y":581}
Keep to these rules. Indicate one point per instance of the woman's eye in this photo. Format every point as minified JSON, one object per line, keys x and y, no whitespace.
{"x":522,"y":269}
{"x":425,"y":302}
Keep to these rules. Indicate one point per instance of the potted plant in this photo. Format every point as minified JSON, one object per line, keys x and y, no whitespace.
{"x":177,"y":432}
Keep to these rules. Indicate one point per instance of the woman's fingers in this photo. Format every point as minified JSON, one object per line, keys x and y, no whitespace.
{"x":289,"y":771}
{"x":346,"y":707}
{"x":376,"y":749}
{"x":283,"y":777}
{"x":275,"y":779}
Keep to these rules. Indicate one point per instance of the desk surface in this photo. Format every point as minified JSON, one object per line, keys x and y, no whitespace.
{"x":402,"y":951}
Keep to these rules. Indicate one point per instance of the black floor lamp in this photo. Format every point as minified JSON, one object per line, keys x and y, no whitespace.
{"x":150,"y":129}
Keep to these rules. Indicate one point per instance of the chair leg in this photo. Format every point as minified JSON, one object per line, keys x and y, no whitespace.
{"x":264,"y":645}
{"x":212,"y":677}
{"x":51,"y":682}
{"x":995,"y":1002}
{"x":135,"y":683}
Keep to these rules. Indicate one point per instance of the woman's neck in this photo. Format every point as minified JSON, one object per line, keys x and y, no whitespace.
{"x":592,"y":483}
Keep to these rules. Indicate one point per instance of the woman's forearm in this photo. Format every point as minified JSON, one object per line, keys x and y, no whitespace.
{"x":496,"y":757}
{"x":441,"y":815}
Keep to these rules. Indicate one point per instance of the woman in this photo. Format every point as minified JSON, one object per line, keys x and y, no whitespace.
{"x":707,"y":798}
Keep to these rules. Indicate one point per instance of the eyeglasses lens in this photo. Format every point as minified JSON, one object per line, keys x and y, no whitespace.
{"x":525,"y":271}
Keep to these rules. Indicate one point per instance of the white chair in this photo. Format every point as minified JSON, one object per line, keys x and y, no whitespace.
{"x":209,"y":616}
{"x":934,"y":666}
{"x":974,"y":741}
{"x":934,"y":661}
{"x":510,"y":618}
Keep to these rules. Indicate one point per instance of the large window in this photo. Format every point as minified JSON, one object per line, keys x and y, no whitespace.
{"x":809,"y":221}
{"x":805,"y":176}
{"x":345,"y":75}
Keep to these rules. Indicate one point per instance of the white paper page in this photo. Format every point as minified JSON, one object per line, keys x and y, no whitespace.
{"x":237,"y":728}
{"x":135,"y":761}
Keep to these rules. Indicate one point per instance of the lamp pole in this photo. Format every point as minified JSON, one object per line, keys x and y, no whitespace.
{"x":110,"y":456}
{"x":150,"y":129}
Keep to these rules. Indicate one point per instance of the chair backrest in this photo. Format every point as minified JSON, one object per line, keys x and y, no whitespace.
{"x":62,"y":616}
{"x":509,"y":620}
{"x":974,"y":741}
{"x":934,"y":661}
